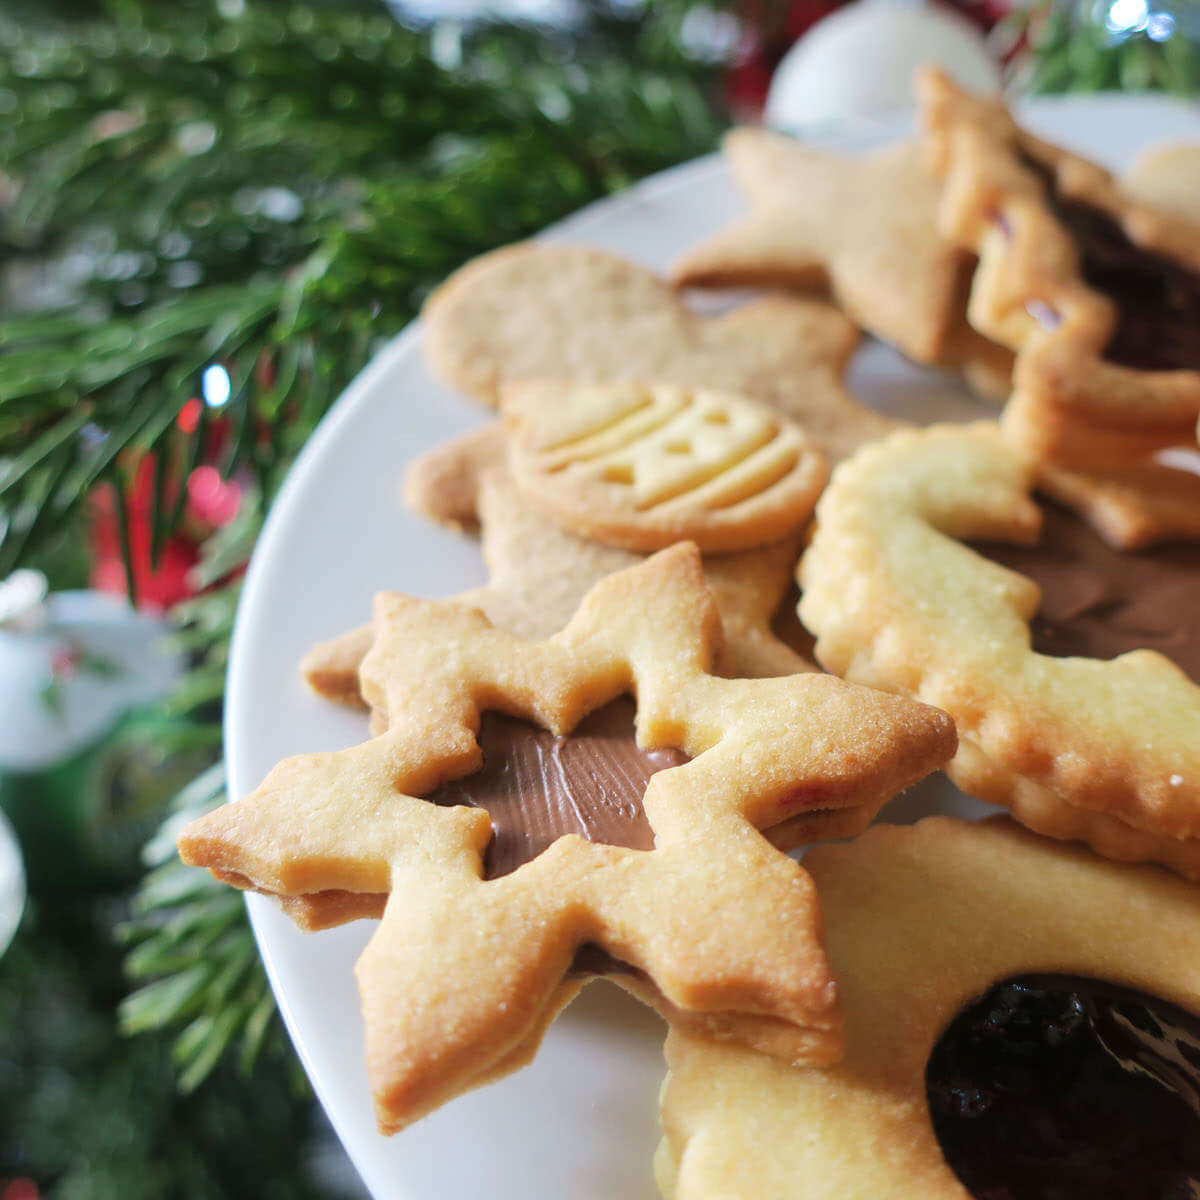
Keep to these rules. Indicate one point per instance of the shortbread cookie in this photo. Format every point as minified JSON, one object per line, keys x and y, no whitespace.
{"x":1103,"y":751}
{"x":540,"y":311}
{"x":1022,"y":1019}
{"x":865,"y":227}
{"x":443,"y":483}
{"x":1101,"y":294}
{"x":1098,"y":293}
{"x":1168,"y":178}
{"x":534,"y":839}
{"x":986,"y":367}
{"x":539,"y":574}
{"x":643,"y":465}
{"x":1143,"y":498}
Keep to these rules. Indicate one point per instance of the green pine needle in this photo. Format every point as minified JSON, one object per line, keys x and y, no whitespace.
{"x":1071,"y":50}
{"x":191,"y":949}
{"x":275,"y":192}
{"x":278,"y":189}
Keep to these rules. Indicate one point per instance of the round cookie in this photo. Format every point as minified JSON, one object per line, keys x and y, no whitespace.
{"x":1076,"y":747}
{"x":641,"y":466}
{"x":920,"y":921}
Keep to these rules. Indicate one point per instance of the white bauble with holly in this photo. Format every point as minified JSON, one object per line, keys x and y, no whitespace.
{"x":82,"y":763}
{"x":71,"y":664}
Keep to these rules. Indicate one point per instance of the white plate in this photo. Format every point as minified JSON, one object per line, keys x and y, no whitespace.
{"x":579,"y":1122}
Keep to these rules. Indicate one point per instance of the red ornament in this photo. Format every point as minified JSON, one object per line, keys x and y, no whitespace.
{"x":211,"y":499}
{"x":158,"y":586}
{"x":20,"y":1189}
{"x":212,"y":502}
{"x":189,"y":416}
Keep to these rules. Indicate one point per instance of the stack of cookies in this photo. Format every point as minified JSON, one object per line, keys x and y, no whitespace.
{"x":595,"y":764}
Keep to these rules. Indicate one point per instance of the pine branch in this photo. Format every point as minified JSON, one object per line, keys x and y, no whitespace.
{"x":85,"y":1113}
{"x":192,"y":952}
{"x":275,"y":193}
{"x":1072,"y":50}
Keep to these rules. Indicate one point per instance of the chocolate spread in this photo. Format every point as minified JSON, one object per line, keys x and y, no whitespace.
{"x":537,"y":787}
{"x":1099,"y":602}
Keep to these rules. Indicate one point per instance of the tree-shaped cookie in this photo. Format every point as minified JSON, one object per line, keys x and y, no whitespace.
{"x":503,"y":812}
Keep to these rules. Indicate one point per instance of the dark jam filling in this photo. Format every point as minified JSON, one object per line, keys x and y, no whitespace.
{"x":1054,"y":1087}
{"x":1157,"y":299}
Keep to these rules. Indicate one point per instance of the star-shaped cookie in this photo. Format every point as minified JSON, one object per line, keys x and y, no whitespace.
{"x":539,"y":573}
{"x":502,"y":813}
{"x":864,"y":227}
{"x":1144,"y":494}
{"x":538,"y":576}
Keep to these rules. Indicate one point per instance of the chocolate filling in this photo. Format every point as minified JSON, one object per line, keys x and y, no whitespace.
{"x":1157,"y":298}
{"x":1055,"y":1087}
{"x":537,"y":787}
{"x":1099,"y":602}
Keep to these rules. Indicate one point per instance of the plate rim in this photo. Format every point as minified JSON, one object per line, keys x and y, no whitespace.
{"x":341,"y":413}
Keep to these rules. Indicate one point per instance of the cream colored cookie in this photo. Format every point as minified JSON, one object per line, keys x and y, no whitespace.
{"x":865,"y":227}
{"x":474,"y":953}
{"x":538,"y":575}
{"x":1145,"y":494}
{"x":1098,"y":293}
{"x":1135,"y":506}
{"x":1007,"y":196}
{"x":443,"y":483}
{"x":920,"y":920}
{"x":1167,"y":177}
{"x":1103,"y":751}
{"x":644,"y":465}
{"x":541,"y":311}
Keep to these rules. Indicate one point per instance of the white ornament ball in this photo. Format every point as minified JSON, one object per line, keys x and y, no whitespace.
{"x":12,"y":883}
{"x":860,"y":61}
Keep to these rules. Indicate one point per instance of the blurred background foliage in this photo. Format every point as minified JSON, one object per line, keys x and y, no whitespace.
{"x":268,"y":189}
{"x":212,"y":213}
